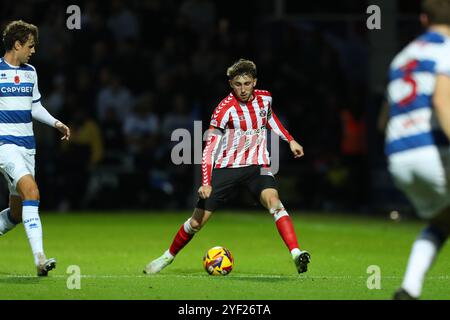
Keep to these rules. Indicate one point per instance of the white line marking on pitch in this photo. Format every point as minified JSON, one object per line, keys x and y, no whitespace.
{"x":245,"y":276}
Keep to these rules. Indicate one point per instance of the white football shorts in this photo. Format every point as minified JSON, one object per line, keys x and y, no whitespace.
{"x":15,"y":162}
{"x":423,"y":174}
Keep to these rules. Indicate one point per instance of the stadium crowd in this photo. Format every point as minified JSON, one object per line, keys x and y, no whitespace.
{"x":137,"y":70}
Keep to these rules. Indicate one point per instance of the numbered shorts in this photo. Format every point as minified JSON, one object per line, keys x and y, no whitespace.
{"x":423,"y":174}
{"x":15,"y":162}
{"x":226,"y":181}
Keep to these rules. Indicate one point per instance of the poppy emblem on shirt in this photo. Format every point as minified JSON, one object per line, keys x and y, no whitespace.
{"x":17,"y":80}
{"x":263,"y":113}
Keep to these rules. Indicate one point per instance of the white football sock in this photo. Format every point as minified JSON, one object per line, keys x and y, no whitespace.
{"x":5,"y":222}
{"x":33,"y":228}
{"x":420,"y":260}
{"x":188,"y":228}
{"x":295,"y":252}
{"x":168,"y":255}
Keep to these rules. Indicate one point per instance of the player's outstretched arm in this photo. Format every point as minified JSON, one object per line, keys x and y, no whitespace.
{"x":441,"y":102}
{"x":63,"y":129}
{"x":39,"y":113}
{"x":214,"y":137}
{"x":296,"y":148}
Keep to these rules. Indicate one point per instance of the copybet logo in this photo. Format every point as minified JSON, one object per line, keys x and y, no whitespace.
{"x":23,"y":89}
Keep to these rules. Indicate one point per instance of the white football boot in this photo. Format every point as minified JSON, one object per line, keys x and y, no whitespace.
{"x":301,"y":261}
{"x":45,"y":265}
{"x":160,"y":263}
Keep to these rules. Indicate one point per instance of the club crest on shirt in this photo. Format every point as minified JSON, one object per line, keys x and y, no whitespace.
{"x":262,"y":113}
{"x":241,"y":118}
{"x":16,"y":79}
{"x":28,"y":76}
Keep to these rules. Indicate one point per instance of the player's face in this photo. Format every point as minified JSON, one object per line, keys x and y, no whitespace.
{"x":26,"y":50}
{"x":243,"y":87}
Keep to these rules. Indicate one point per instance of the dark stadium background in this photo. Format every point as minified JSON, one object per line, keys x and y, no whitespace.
{"x":167,"y":59}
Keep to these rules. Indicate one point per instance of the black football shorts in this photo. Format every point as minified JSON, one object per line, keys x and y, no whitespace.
{"x":226,"y":181}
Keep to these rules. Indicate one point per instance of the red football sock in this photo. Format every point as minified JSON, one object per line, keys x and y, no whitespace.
{"x":181,"y":239}
{"x":287,"y":232}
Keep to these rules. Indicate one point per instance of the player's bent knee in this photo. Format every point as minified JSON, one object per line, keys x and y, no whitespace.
{"x":270,"y":198}
{"x":31,"y":193}
{"x":27,"y":188}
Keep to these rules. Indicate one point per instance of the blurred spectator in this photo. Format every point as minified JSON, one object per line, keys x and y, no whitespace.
{"x":123,"y":22}
{"x":178,"y":117}
{"x":354,"y":156}
{"x":200,"y":13}
{"x":113,"y":95}
{"x":141,"y":131}
{"x":113,"y":137}
{"x":54,"y":102}
{"x":81,"y":155}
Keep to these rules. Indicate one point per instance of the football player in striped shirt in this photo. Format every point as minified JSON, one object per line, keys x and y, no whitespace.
{"x":418,"y":137}
{"x":236,"y":154}
{"x":19,"y":105}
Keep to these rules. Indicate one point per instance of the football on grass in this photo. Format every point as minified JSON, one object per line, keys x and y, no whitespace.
{"x":218,"y":261}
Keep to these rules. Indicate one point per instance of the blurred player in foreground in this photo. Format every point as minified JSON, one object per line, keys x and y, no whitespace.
{"x":236,"y":154}
{"x":418,"y":137}
{"x":19,"y":105}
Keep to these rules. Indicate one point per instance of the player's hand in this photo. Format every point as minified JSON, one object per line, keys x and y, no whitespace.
{"x":63,"y":129}
{"x":296,"y":149}
{"x":204,"y":192}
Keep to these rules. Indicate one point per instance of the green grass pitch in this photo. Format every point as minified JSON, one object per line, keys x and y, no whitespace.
{"x":111,"y":250}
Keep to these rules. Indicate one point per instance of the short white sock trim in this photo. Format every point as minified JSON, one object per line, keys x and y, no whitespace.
{"x":295,"y":252}
{"x":187,"y":227}
{"x":168,"y":255}
{"x":278,"y":212}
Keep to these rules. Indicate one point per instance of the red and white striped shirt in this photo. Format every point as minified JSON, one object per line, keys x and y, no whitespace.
{"x":243,"y":138}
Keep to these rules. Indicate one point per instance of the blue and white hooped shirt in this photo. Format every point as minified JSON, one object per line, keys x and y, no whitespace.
{"x":412,"y":119}
{"x":18,"y":92}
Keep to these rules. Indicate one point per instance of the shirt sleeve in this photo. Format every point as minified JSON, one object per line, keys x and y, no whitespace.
{"x":443,"y":62}
{"x":38,"y":111}
{"x":214,"y":137}
{"x":36,"y":93}
{"x":220,"y":117}
{"x":41,"y":114}
{"x":274,"y":123}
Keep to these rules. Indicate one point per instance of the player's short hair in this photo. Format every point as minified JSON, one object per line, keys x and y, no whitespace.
{"x":438,"y":11}
{"x":242,"y":67}
{"x":18,"y":30}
